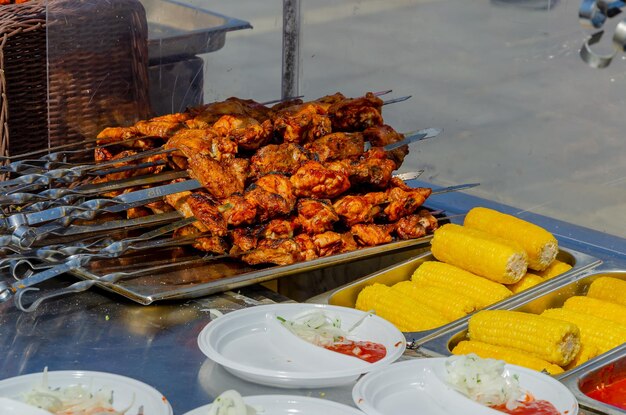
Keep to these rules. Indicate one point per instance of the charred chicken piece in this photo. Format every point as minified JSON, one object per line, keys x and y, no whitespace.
{"x":410,"y":227}
{"x":205,"y":116}
{"x":244,"y":239}
{"x":316,"y":216}
{"x":371,"y":234}
{"x":164,"y":126}
{"x":328,"y":100}
{"x":207,"y":212}
{"x":306,"y":245}
{"x":302,"y":123}
{"x":427,"y":220}
{"x":254,"y":109}
{"x":337,"y":146}
{"x":404,"y":202}
{"x":283,"y":158}
{"x":353,"y":209}
{"x":279,"y":229}
{"x":272,"y":195}
{"x":237,"y":210}
{"x":380,"y":136}
{"x":356,"y":114}
{"x":206,"y":141}
{"x":179,"y":202}
{"x":286,"y":104}
{"x":221,"y":179}
{"x":316,"y":181}
{"x":274,"y":251}
{"x":214,"y":244}
{"x":329,"y":243}
{"x":247,"y":132}
{"x":373,"y":168}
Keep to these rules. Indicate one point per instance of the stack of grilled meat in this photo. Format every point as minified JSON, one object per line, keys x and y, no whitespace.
{"x":281,"y":184}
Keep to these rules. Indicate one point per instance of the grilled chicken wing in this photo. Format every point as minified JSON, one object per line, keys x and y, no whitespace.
{"x":316,"y":216}
{"x":244,"y":239}
{"x":381,"y":135}
{"x":206,"y":141}
{"x":356,"y":114}
{"x":221,"y":179}
{"x":247,"y":132}
{"x":272,"y":195}
{"x":207,"y":212}
{"x":302,"y":123}
{"x":316,"y":181}
{"x":404,"y":202}
{"x":306,"y":246}
{"x":371,"y":234}
{"x":214,"y":244}
{"x":337,"y":146}
{"x":353,"y":209}
{"x":237,"y":210}
{"x":279,"y":229}
{"x":274,"y":251}
{"x":283,"y":158}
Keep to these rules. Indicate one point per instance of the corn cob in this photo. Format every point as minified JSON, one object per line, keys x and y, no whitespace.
{"x":483,"y":291}
{"x":540,"y":245}
{"x":527,"y":281}
{"x":555,"y":268}
{"x":480,"y":253}
{"x":448,"y":303}
{"x":556,"y":341}
{"x":594,"y":331}
{"x":587,"y":352}
{"x":399,"y":309}
{"x":509,"y":355}
{"x":608,"y":289}
{"x":598,"y":308}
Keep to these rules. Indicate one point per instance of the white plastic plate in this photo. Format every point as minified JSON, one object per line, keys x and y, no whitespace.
{"x":418,"y":386}
{"x":289,"y":405}
{"x":252,"y":345}
{"x":124,"y":389}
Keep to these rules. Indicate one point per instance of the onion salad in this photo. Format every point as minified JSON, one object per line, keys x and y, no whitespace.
{"x":230,"y":403}
{"x":484,"y":381}
{"x":72,"y":400}
{"x":317,"y":327}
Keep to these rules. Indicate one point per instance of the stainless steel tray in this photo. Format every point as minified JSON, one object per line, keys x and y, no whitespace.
{"x":207,"y":276}
{"x":178,"y":29}
{"x":552,"y":296}
{"x":606,"y":369}
{"x":346,"y":295}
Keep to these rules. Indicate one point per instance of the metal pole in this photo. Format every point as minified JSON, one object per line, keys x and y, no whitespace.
{"x":291,"y":49}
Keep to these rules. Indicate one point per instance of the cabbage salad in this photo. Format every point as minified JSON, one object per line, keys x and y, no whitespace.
{"x":484,"y":380}
{"x":72,"y":400}
{"x":230,"y":403}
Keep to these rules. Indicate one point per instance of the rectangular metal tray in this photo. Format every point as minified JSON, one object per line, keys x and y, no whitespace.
{"x":346,"y":295}
{"x":177,"y":29}
{"x":207,"y":276}
{"x":607,"y":369}
{"x":552,"y":296}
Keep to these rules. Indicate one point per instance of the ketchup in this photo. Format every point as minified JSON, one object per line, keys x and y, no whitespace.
{"x":613,"y":394}
{"x":538,"y":407}
{"x":369,"y":351}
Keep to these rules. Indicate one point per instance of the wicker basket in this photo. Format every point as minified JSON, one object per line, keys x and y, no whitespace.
{"x":97,"y":71}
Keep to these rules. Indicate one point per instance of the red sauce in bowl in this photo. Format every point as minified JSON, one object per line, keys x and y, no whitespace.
{"x":369,"y":351}
{"x":538,"y":407}
{"x":613,"y":394}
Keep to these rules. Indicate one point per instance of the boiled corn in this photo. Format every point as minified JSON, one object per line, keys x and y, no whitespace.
{"x":587,"y":352}
{"x":594,"y":331}
{"x":448,"y":303}
{"x":483,"y":291}
{"x":480,"y":253}
{"x":598,"y":308}
{"x":555,"y":268}
{"x":540,"y":245}
{"x":553,"y":340}
{"x":509,"y":355}
{"x":608,"y":289}
{"x":529,"y":280}
{"x":405,"y":313}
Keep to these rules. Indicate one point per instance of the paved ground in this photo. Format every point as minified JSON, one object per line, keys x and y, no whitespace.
{"x":522,"y":113}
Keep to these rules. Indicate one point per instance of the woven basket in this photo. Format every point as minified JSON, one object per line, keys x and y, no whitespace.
{"x":97,"y":67}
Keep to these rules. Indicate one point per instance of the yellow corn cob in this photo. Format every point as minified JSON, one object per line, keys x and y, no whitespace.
{"x":448,"y":303}
{"x":598,"y":308}
{"x":399,"y":309}
{"x":509,"y":355}
{"x":594,"y":331}
{"x":540,"y":245}
{"x":587,"y":352}
{"x":556,"y":341}
{"x":555,"y":268}
{"x":480,"y":253}
{"x":527,"y":281}
{"x":483,"y":291}
{"x":608,"y":289}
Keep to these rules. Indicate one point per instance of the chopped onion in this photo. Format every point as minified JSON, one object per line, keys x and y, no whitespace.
{"x":230,"y":403}
{"x":484,"y":380}
{"x":317,"y":327}
{"x":71,"y":400}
